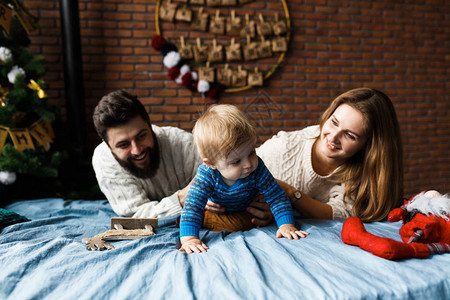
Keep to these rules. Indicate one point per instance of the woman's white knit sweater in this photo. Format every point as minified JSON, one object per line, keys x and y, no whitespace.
{"x":156,"y":197}
{"x":287,"y":155}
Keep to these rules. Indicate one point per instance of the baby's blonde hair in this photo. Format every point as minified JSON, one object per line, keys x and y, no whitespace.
{"x":221,"y":129}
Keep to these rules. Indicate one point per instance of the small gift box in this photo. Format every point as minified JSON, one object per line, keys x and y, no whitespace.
{"x":248,"y":28}
{"x":250,"y":50}
{"x":233,"y":51}
{"x":264,"y":48}
{"x":263,"y":28}
{"x":255,"y":78}
{"x":229,"y":2}
{"x":185,"y":50}
{"x":183,"y":14}
{"x":167,"y":11}
{"x":217,"y":24}
{"x":279,"y":26}
{"x":239,"y":77}
{"x":200,"y":52}
{"x":206,"y":73}
{"x":233,"y":24}
{"x":200,"y":20}
{"x":215,"y":52}
{"x":224,"y":75}
{"x":213,"y":2}
{"x":279,"y":44}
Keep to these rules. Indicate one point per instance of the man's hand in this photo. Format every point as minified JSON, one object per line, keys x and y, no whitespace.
{"x":182,"y":194}
{"x":261,"y":210}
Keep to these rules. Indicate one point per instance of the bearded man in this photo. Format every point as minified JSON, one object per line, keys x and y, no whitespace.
{"x":144,"y":170}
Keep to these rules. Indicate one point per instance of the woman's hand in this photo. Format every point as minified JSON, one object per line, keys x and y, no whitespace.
{"x":214,"y":207}
{"x":290,"y":231}
{"x":261,"y":211}
{"x":192,"y":244}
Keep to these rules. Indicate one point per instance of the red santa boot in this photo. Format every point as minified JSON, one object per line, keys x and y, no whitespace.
{"x":354,"y":233}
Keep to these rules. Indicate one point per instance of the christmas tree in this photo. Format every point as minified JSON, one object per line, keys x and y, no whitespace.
{"x":26,"y":134}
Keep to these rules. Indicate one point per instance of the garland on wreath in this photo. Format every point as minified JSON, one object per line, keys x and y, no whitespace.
{"x":180,"y":71}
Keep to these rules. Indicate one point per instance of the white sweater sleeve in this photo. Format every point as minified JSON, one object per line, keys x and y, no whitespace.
{"x":125,"y":192}
{"x":342,"y":209}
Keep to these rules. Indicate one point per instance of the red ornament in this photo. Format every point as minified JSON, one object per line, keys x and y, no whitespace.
{"x":158,"y":42}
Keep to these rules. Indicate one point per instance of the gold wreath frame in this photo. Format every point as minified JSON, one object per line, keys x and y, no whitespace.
{"x":271,"y":71}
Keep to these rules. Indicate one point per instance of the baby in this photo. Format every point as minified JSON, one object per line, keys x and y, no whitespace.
{"x":231,"y":175}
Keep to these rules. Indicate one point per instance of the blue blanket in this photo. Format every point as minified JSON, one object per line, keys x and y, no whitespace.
{"x":45,"y":259}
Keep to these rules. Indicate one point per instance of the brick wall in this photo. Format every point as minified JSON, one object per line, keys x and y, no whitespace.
{"x":400,"y":48}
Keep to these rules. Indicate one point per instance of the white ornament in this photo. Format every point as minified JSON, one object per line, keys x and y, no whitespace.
{"x":5,"y":54}
{"x":171,"y":59}
{"x":194,"y":76}
{"x":203,"y":86}
{"x":15,"y":71}
{"x":7,"y":177}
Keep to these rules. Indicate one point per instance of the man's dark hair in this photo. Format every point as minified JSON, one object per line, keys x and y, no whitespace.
{"x":115,"y":109}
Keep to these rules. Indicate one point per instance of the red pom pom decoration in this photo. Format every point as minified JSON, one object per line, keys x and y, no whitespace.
{"x":186,"y":79}
{"x":173,"y":73}
{"x":158,"y":42}
{"x":213,"y":94}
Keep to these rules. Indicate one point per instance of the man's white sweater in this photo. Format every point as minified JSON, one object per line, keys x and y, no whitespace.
{"x":155,"y":197}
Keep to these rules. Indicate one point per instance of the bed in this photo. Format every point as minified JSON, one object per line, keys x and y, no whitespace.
{"x":45,"y":259}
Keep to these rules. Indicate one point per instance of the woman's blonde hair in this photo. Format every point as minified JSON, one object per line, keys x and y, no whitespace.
{"x":221,"y":129}
{"x":374,"y":176}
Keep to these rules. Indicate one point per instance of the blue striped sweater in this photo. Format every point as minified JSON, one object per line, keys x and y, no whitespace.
{"x":209,"y":185}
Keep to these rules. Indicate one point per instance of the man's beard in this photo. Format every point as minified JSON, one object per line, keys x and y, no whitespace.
{"x":153,"y":163}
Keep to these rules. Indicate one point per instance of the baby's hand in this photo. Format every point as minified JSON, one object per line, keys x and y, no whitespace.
{"x":192,"y":244}
{"x":289,"y":231}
